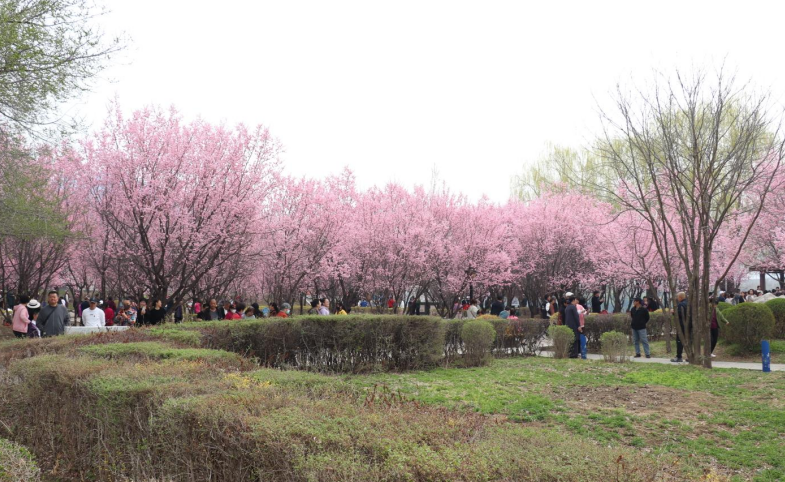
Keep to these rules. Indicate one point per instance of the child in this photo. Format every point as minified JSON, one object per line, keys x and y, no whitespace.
{"x":33,"y":308}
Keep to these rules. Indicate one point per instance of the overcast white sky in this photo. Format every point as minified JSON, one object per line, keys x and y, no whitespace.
{"x":394,"y":89}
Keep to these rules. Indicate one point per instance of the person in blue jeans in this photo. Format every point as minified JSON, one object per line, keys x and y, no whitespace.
{"x":640,"y":316}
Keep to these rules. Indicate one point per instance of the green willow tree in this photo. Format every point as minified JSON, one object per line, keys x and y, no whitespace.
{"x":50,"y":52}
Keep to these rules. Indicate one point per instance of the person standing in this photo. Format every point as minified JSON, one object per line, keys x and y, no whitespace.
{"x":685,"y":322}
{"x":473,"y":310}
{"x":108,"y":314}
{"x":596,"y":302}
{"x":83,"y":306}
{"x":715,"y":326}
{"x":231,"y":311}
{"x":157,"y":314}
{"x":573,"y":320}
{"x":93,"y":316}
{"x":497,"y":306}
{"x":33,"y":309}
{"x":640,"y":317}
{"x":21,"y":318}
{"x":325,"y":308}
{"x":212,"y":311}
{"x":53,"y":317}
{"x":141,"y":313}
{"x":412,"y":306}
{"x":127,"y":314}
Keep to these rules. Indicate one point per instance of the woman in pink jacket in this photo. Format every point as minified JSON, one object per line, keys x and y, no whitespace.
{"x":21,"y":317}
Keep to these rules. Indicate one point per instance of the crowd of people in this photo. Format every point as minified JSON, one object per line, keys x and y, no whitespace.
{"x":32,"y":319}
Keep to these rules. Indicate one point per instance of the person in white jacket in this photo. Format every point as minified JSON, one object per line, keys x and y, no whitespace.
{"x":93,"y":316}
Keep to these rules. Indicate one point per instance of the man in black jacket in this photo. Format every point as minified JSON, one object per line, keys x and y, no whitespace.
{"x":686,"y":325}
{"x":573,"y":320}
{"x":497,"y":306}
{"x":212,"y":312}
{"x":640,"y":316}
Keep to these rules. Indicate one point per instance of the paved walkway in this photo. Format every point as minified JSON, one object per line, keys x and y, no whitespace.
{"x":775,"y":367}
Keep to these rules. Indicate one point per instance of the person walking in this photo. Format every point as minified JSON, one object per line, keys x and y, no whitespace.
{"x":573,"y":320}
{"x":21,"y":318}
{"x":339,"y":309}
{"x":93,"y":316}
{"x":640,"y":317}
{"x":315,"y":305}
{"x":53,"y":317}
{"x":284,"y":313}
{"x":685,"y":322}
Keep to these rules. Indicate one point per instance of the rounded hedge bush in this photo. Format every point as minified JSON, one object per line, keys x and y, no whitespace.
{"x":478,"y":337}
{"x":722,"y":306}
{"x":615,"y":347}
{"x":563,"y":338}
{"x":777,"y":308}
{"x":748,"y":324}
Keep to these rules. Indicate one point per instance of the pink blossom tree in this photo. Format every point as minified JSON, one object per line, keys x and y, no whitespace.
{"x":180,"y":200}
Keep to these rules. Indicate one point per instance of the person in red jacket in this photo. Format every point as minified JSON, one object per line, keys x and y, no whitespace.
{"x":109,"y":314}
{"x":231,"y":311}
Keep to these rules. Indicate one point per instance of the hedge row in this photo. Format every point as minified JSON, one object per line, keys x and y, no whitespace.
{"x":345,"y":344}
{"x":181,"y":419}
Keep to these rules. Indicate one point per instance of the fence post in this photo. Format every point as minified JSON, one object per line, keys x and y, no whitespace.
{"x":765,"y":353}
{"x":583,"y":346}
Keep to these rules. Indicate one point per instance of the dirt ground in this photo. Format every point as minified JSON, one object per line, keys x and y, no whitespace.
{"x":641,"y":401}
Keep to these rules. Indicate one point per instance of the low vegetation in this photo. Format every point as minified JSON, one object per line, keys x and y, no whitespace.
{"x":221,"y":401}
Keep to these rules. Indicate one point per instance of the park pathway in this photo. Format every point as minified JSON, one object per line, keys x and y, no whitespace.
{"x":775,"y":367}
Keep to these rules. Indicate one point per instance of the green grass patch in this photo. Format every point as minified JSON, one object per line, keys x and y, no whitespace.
{"x":157,"y":350}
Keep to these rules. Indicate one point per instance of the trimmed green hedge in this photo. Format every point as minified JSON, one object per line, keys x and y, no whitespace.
{"x":478,"y":337}
{"x":748,"y":324}
{"x":595,"y":325}
{"x":345,"y":344}
{"x":777,"y":307}
{"x":724,"y":305}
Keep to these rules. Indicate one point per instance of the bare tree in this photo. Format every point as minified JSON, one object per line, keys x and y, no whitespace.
{"x":693,"y":153}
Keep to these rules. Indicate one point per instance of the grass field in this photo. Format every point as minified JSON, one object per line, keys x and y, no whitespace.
{"x":724,"y":352}
{"x":516,"y":419}
{"x":731,"y":420}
